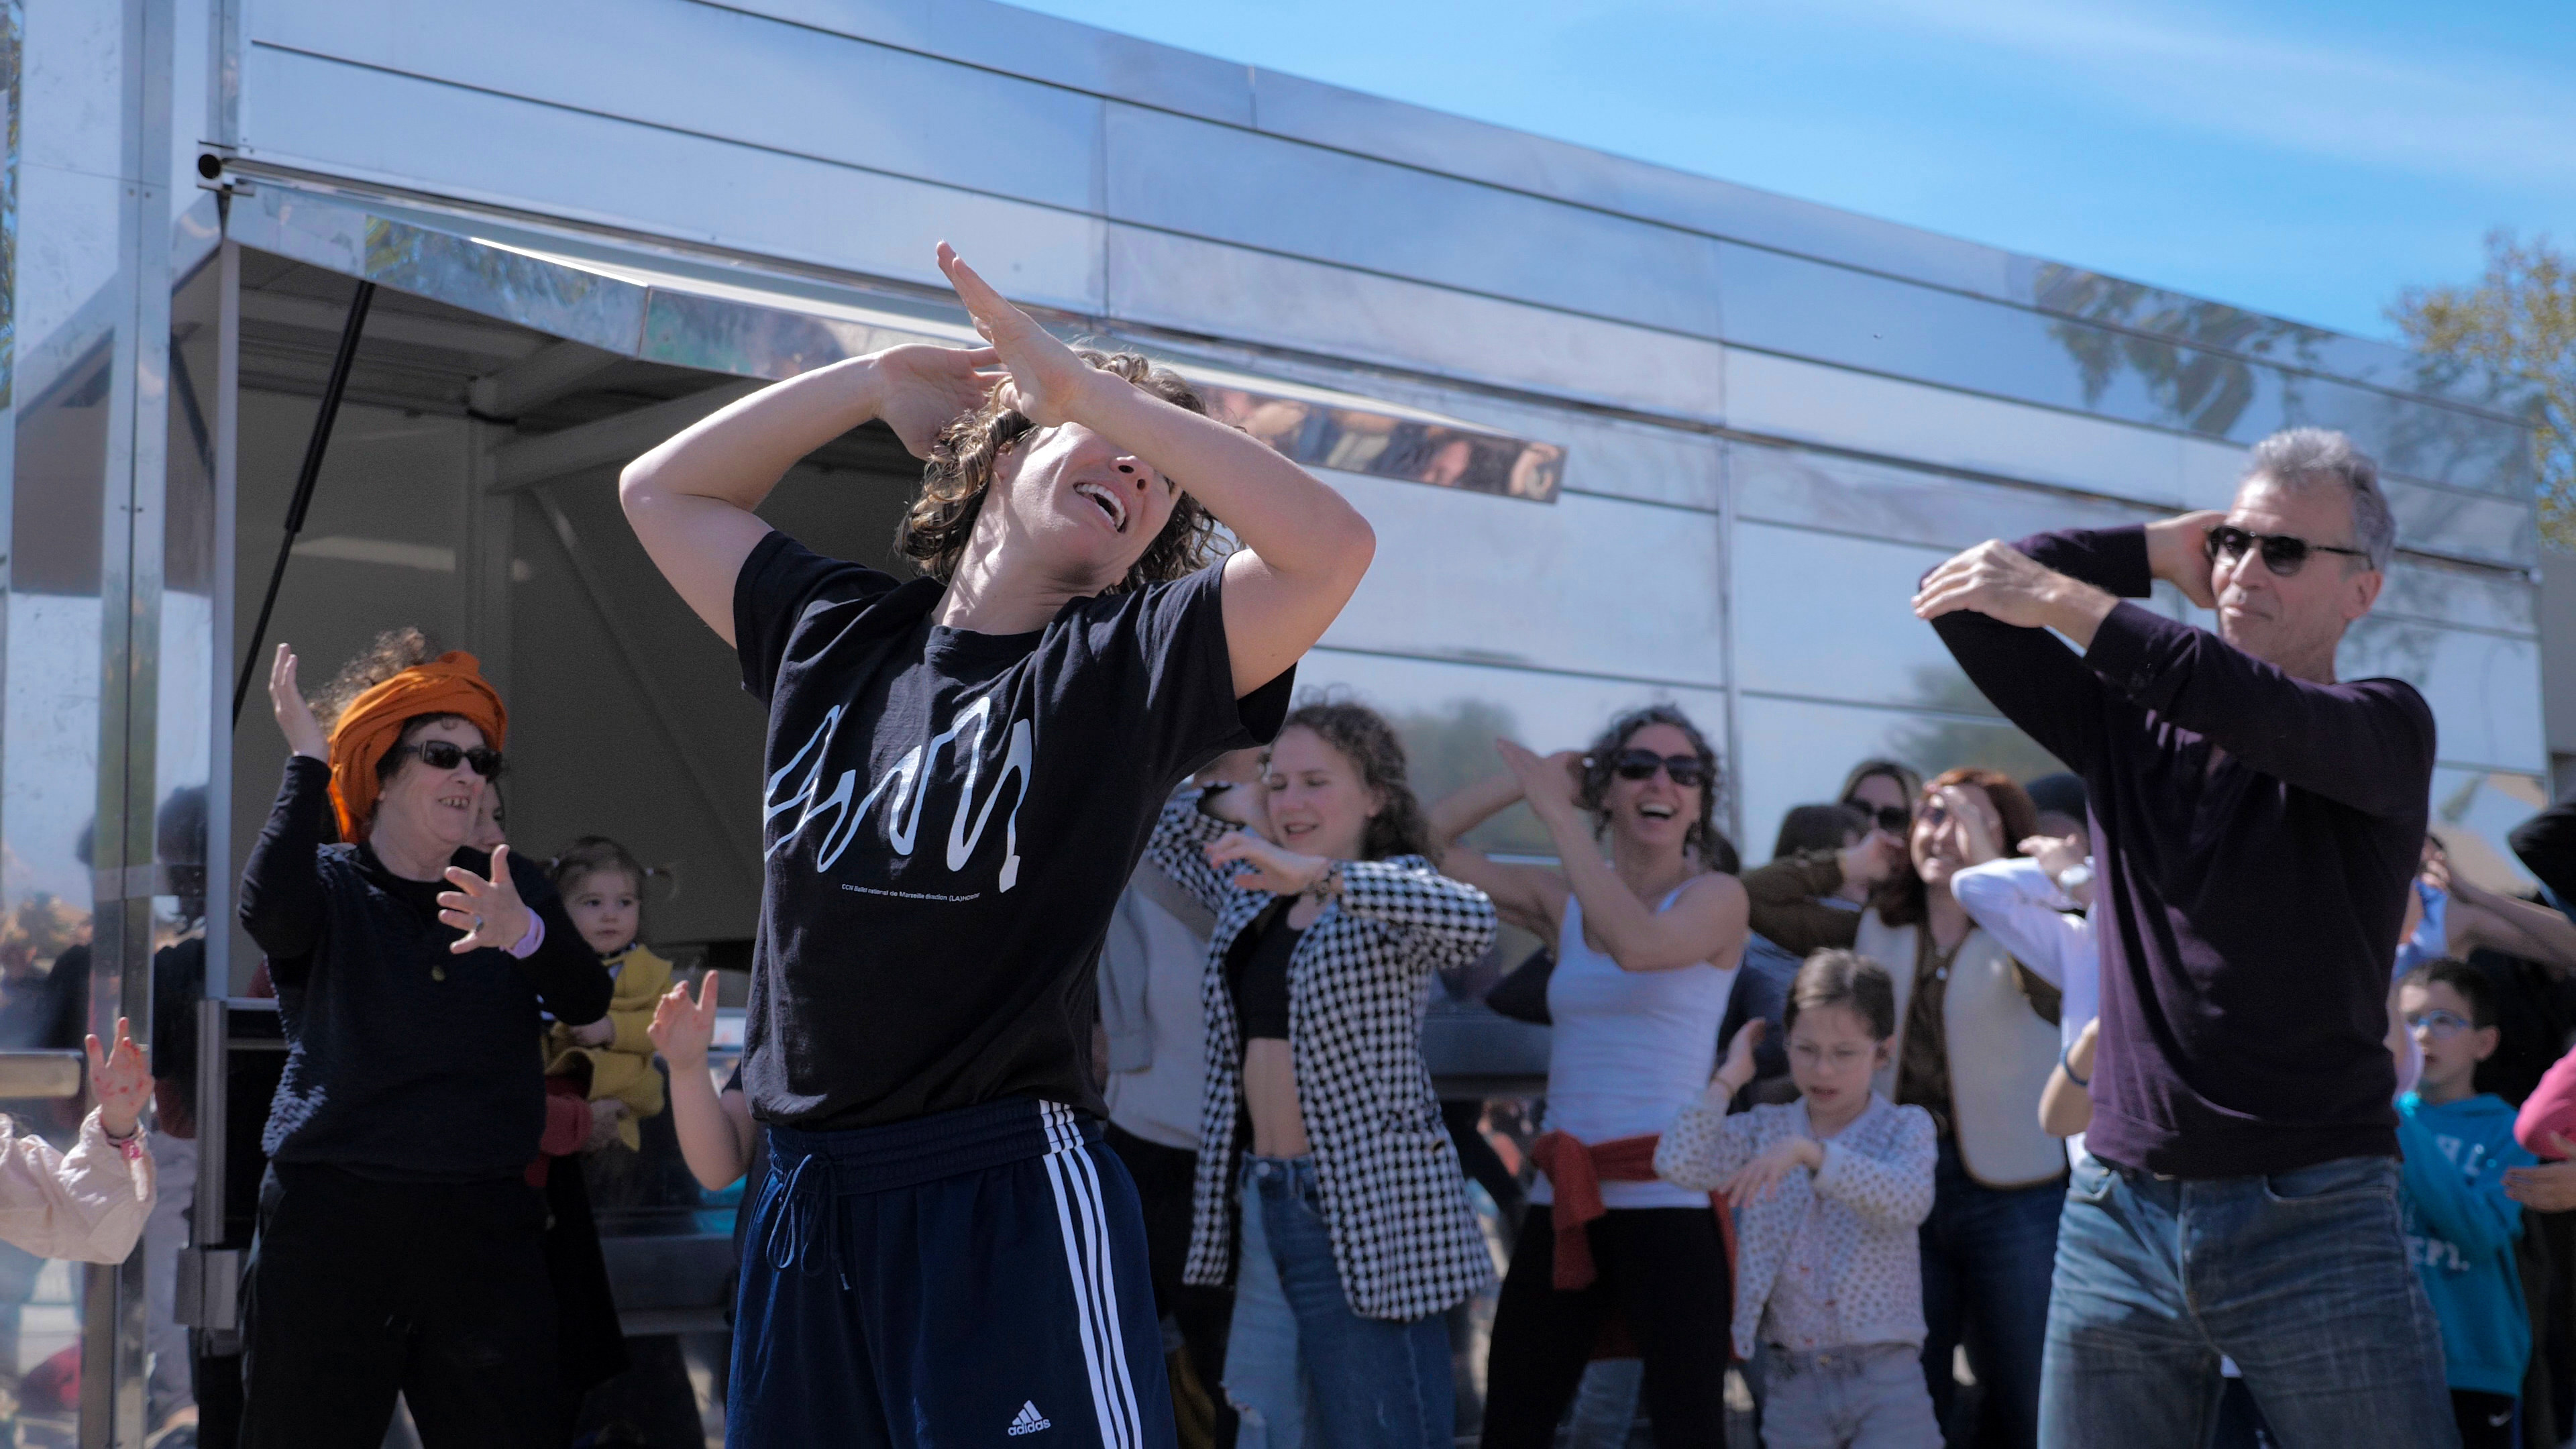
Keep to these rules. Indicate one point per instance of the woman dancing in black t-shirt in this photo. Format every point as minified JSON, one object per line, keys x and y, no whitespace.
{"x":961,"y":772}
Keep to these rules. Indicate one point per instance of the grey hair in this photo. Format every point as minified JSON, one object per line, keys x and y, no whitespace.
{"x":2302,"y":457}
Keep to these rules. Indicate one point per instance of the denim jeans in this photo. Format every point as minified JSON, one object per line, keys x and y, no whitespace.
{"x":2301,"y":1277}
{"x":1382,"y":1385}
{"x":1986,"y":1256}
{"x":1867,"y":1396}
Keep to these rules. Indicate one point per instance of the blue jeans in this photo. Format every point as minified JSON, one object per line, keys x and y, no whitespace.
{"x":2301,"y":1277}
{"x":1380,"y":1384}
{"x":1986,"y":1256}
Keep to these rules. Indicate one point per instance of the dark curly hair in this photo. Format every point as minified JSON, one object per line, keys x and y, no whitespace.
{"x":1363,"y":737}
{"x":969,"y":452}
{"x":386,"y":655}
{"x":1715,"y":850}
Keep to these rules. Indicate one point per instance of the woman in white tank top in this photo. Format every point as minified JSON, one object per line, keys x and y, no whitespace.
{"x":1648,"y":943}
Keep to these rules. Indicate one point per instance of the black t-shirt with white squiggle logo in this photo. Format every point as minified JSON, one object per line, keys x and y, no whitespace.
{"x":949,"y":818}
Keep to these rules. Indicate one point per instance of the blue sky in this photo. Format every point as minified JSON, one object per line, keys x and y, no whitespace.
{"x":2306,"y":159}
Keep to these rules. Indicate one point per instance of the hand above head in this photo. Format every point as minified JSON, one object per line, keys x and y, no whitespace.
{"x":1267,"y":867}
{"x":2003,"y":583}
{"x":1980,"y":832}
{"x":488,"y":912}
{"x":1547,"y":781}
{"x":684,"y":1026}
{"x":2178,"y":553}
{"x":122,"y":1081}
{"x":1755,"y":1181}
{"x":2056,"y":853}
{"x":921,"y":389}
{"x":1045,"y":378}
{"x":294,"y":717}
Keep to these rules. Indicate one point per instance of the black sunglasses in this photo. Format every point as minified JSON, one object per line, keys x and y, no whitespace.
{"x":445,"y":754}
{"x":1895,"y":819}
{"x":2284,"y":554}
{"x":1687,"y":770}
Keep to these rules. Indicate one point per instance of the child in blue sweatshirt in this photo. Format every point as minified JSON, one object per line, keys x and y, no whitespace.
{"x":2460,"y":1226}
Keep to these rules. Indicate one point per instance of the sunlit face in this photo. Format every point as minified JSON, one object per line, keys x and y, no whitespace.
{"x":1319,"y":804}
{"x":604,"y":906}
{"x":1653,"y":811}
{"x":2444,"y":1026}
{"x":431,"y":808}
{"x":1940,"y":843}
{"x":2294,"y":622}
{"x":1084,"y":508}
{"x":1831,"y":1058}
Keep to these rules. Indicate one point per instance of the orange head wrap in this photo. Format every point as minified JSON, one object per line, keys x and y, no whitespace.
{"x":372,"y":724}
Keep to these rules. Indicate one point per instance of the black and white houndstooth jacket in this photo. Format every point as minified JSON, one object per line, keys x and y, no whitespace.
{"x":1404,"y":1238}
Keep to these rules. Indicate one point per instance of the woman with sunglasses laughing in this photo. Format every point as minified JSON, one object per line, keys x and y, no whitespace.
{"x":400,"y":1246}
{"x":1648,"y":946}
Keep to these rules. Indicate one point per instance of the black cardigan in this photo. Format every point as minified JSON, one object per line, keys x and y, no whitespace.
{"x":403,"y":1061}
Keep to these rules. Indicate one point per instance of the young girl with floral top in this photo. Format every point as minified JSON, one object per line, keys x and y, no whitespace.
{"x":1828,"y":1193}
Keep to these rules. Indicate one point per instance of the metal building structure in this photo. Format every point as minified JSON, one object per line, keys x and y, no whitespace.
{"x":1625,"y":433}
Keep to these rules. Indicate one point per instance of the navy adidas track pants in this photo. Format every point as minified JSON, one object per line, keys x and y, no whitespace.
{"x":973,"y":1278}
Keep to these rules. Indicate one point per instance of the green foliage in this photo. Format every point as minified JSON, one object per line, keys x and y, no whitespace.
{"x":2519,"y":320}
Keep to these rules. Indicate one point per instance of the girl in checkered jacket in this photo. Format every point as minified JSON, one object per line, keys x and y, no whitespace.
{"x":1346,"y":1207}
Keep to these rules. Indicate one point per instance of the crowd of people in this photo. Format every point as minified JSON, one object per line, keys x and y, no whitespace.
{"x":2186,"y":1098}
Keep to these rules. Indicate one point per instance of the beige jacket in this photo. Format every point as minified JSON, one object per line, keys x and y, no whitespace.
{"x":88,"y":1204}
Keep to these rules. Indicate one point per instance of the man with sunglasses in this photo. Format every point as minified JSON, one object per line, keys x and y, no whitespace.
{"x":2256,"y":823}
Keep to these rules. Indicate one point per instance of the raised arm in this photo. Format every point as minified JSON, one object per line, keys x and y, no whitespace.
{"x":2366,"y":745}
{"x":690,"y":500}
{"x":2017,"y":903}
{"x":1447,"y":922}
{"x":281,"y":890}
{"x":1894,"y":1189}
{"x":1303,"y":548}
{"x":2473,"y":1213}
{"x":1531,"y":897}
{"x":1706,"y":922}
{"x":1786,"y":900}
{"x":1179,"y":845}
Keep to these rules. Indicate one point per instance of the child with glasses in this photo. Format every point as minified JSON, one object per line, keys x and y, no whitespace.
{"x":2460,"y":1226}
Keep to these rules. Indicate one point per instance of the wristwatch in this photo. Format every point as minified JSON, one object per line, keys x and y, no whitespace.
{"x":1326,"y":885}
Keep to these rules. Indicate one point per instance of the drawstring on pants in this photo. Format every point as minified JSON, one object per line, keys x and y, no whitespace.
{"x":791,"y":1232}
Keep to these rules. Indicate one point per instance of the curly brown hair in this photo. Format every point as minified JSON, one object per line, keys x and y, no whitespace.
{"x":969,"y":453}
{"x":1715,"y":851}
{"x":1362,"y":736}
{"x":386,"y":655}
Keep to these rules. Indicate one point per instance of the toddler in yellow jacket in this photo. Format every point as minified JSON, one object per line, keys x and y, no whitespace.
{"x":602,"y":887}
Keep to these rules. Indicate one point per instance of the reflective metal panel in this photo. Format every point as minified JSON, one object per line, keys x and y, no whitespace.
{"x":1228,"y":185}
{"x":1879,"y":500}
{"x":785,"y":88}
{"x":2474,"y":811}
{"x":480,"y":147}
{"x":1199,"y":287}
{"x":2449,"y":594}
{"x":1807,"y":402}
{"x":1022,"y":42}
{"x":2134,"y":306}
{"x":2484,"y":688}
{"x":1809,"y":309}
{"x":1593,"y":585}
{"x":1796,"y":753}
{"x":1829,"y":616}
{"x":1450,"y":714}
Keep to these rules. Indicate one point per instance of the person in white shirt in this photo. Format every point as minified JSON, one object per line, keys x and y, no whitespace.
{"x":88,"y":1204}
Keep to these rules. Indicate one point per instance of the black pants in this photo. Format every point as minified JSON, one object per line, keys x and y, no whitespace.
{"x":1664,"y":1271}
{"x":1165,"y":1177}
{"x":2486,"y":1420}
{"x":361,"y":1289}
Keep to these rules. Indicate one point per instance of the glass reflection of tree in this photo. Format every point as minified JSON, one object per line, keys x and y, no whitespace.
{"x":2196,"y":386}
{"x":1932,"y":745}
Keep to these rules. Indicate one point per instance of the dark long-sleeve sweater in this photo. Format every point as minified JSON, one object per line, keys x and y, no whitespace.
{"x":403,"y":1061}
{"x":2547,"y":844}
{"x":2255,"y":835}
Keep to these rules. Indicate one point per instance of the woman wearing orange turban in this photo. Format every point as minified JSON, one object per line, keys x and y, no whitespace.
{"x":399,"y":1239}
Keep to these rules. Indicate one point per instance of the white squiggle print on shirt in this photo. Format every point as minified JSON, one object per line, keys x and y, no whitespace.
{"x":903,"y":786}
